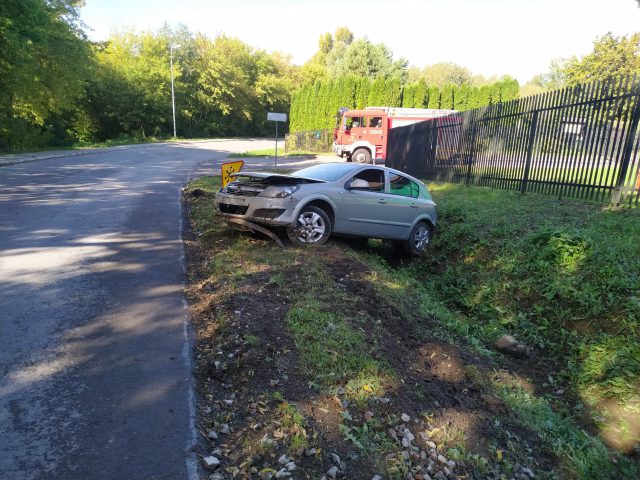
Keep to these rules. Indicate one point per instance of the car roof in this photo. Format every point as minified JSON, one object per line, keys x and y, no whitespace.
{"x":357,"y":166}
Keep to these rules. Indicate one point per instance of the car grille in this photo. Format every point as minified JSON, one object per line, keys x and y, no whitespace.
{"x":243,"y":191}
{"x":232,"y":209}
{"x":270,"y":213}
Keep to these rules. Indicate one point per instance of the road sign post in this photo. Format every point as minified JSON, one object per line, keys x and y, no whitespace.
{"x":276,"y":117}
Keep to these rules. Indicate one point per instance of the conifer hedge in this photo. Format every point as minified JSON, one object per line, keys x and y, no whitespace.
{"x":314,"y":106}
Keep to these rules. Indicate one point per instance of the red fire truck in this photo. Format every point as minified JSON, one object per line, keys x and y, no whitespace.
{"x":361,"y":135}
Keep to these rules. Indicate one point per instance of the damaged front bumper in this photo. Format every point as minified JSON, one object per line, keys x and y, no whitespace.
{"x":240,"y":224}
{"x":262,"y":210}
{"x":254,"y":213}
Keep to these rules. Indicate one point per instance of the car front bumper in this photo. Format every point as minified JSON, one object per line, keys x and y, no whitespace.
{"x":340,"y":150}
{"x":261,"y":210}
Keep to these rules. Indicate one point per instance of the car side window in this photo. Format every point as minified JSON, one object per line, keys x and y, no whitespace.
{"x":399,"y":185}
{"x":370,"y":179}
{"x":375,"y":122}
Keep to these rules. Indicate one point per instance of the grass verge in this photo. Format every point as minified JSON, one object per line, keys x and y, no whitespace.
{"x":562,"y":277}
{"x":270,"y":152}
{"x":312,"y":355}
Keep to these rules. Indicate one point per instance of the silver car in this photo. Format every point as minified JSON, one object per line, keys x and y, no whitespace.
{"x":332,"y":198}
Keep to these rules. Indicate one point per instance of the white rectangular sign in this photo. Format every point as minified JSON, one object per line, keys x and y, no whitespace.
{"x":277,"y":117}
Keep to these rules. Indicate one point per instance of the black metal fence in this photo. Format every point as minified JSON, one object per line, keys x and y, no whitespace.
{"x":580,"y":142}
{"x":318,"y":141}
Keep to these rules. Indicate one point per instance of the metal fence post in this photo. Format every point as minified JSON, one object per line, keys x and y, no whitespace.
{"x":532,"y":141}
{"x":472,"y":154}
{"x":616,"y":194}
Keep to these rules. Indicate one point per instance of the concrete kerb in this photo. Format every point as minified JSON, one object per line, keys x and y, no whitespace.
{"x":288,"y":162}
{"x":12,"y":159}
{"x":32,"y":157}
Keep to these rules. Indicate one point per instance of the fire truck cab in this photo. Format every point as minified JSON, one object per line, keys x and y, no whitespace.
{"x":361,"y":135}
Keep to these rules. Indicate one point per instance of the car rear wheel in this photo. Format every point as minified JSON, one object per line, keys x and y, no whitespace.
{"x":419,"y":239}
{"x":361,"y":155}
{"x":313,"y":227}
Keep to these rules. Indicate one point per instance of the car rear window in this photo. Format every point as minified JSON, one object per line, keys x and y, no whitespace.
{"x":400,"y":185}
{"x":326,"y":172}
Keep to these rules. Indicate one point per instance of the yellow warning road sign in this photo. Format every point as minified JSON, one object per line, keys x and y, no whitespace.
{"x":229,"y":168}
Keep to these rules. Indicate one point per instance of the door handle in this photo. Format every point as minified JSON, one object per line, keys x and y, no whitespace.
{"x":413,"y":205}
{"x":382,"y":200}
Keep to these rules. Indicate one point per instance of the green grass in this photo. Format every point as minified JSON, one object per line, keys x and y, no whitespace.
{"x":123,"y":141}
{"x":562,"y":277}
{"x":332,"y":350}
{"x":596,"y":176}
{"x":270,"y":152}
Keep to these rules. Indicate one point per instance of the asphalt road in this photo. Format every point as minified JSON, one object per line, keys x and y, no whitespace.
{"x":95,"y":352}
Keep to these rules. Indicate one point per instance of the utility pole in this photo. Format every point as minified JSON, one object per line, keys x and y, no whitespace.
{"x":173,"y":96}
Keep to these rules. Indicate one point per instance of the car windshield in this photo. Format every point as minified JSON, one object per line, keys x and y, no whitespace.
{"x":327,"y":172}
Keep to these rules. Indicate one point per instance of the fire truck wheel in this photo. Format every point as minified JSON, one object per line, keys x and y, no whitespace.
{"x":361,"y":155}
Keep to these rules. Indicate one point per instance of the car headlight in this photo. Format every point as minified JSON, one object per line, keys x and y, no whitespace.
{"x":279,"y":192}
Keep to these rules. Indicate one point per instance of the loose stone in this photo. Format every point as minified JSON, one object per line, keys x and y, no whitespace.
{"x":211,"y":462}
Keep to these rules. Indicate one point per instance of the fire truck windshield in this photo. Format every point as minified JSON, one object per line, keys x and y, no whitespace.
{"x":339,"y":115}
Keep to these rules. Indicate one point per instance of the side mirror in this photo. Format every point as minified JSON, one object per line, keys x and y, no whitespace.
{"x":349,"y":185}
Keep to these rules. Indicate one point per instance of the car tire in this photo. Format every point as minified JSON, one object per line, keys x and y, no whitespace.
{"x":313,"y":227}
{"x":361,"y":155}
{"x":419,"y":239}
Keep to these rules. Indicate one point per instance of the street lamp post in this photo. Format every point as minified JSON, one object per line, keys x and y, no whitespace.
{"x":173,"y":96}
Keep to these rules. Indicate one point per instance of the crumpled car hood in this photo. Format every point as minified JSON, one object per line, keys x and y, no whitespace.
{"x":274,"y":178}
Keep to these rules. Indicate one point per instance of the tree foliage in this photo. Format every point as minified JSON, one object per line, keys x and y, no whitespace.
{"x":315,"y":105}
{"x":611,"y":57}
{"x":553,"y":79}
{"x":43,"y":63}
{"x":441,"y":74}
{"x":341,"y":55}
{"x":57,"y":88}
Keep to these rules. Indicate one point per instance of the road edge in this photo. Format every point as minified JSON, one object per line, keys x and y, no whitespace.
{"x":191,"y":455}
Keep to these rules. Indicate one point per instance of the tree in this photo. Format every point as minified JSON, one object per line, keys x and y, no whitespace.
{"x":441,"y":74}
{"x":414,"y":74}
{"x":43,"y":63}
{"x":325,"y":43}
{"x":365,"y":59}
{"x":611,"y":57}
{"x":343,"y":34}
{"x":137,"y":65}
{"x":341,"y":55}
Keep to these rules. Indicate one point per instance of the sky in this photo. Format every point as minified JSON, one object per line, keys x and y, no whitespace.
{"x":489,"y":37}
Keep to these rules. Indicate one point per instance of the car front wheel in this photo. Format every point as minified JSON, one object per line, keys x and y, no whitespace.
{"x":419,"y":239}
{"x":313,"y":227}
